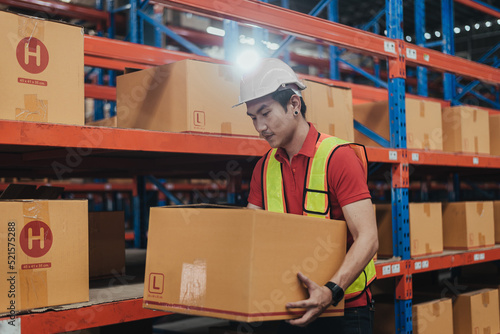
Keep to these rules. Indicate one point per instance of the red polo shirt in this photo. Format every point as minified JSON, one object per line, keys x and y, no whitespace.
{"x":346,"y":183}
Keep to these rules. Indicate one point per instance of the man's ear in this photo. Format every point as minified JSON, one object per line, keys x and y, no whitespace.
{"x":295,"y":102}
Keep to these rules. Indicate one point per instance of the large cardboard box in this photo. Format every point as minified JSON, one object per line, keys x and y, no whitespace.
{"x":426,"y":229}
{"x":329,"y":108}
{"x":44,"y":253}
{"x":476,"y":312}
{"x":496,"y":217}
{"x":238,"y":264}
{"x":468,"y":225}
{"x":42,"y":77}
{"x":466,"y":130}
{"x":423,"y":123}
{"x":106,"y":243}
{"x":185,"y":96}
{"x":495,"y":134}
{"x":433,"y":317}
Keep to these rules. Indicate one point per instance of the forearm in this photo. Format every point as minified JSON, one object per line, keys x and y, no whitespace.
{"x":359,"y":255}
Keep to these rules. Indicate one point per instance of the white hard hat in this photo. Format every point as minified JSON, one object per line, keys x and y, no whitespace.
{"x":271,"y":75}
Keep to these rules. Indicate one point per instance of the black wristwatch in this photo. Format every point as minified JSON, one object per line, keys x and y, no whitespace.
{"x":337,"y":292}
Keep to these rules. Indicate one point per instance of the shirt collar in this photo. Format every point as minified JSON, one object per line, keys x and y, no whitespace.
{"x":308,"y":147}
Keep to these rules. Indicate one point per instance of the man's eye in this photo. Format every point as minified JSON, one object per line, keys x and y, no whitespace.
{"x":266,"y":113}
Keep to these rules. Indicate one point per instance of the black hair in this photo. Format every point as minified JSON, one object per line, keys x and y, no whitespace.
{"x":284,"y":96}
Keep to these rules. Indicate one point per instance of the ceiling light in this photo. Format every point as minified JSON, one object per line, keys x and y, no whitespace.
{"x":467,"y":28}
{"x":498,"y":21}
{"x":427,"y":35}
{"x":477,"y":25}
{"x":408,"y":38}
{"x":457,"y":30}
{"x":216,"y":31}
{"x":487,"y":24}
{"x":437,"y":33}
{"x":385,"y":32}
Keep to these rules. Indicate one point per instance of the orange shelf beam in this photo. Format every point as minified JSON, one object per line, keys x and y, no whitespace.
{"x":418,"y":157}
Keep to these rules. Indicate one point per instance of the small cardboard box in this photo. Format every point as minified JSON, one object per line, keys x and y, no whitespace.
{"x":237,"y":264}
{"x":466,"y":130}
{"x":433,"y":317}
{"x":106,"y":243}
{"x":44,"y":253}
{"x":495,"y":134}
{"x":111,"y":122}
{"x":329,"y":108}
{"x":496,"y":217}
{"x":42,"y":70}
{"x":476,"y":312}
{"x":423,"y":123}
{"x":185,"y":96}
{"x":426,"y":229}
{"x":468,"y":225}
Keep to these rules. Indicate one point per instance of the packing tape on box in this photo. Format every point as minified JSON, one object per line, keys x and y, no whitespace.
{"x":482,"y":239}
{"x":427,"y":142}
{"x":487,"y":330}
{"x":226,"y":128}
{"x":329,"y":96}
{"x":30,"y":27}
{"x":486,"y":298}
{"x":436,"y":309}
{"x":33,"y":281}
{"x":480,"y":208}
{"x":332,"y":129}
{"x":34,"y":110}
{"x":427,"y":209}
{"x":476,"y":144}
{"x":193,"y":283}
{"x":474,"y":115}
{"x":422,"y":109}
{"x":428,"y":249}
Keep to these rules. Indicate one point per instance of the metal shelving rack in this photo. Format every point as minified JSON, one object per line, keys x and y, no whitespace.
{"x":28,"y":143}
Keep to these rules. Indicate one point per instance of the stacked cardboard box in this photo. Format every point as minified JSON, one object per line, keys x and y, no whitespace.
{"x":466,"y":130}
{"x":423,"y":123}
{"x":329,"y":109}
{"x":495,"y":134}
{"x":190,"y":270}
{"x":476,"y":312}
{"x":185,"y":96}
{"x":496,"y":217}
{"x":426,"y":229}
{"x":44,"y":252}
{"x":468,"y":225}
{"x":42,"y":79}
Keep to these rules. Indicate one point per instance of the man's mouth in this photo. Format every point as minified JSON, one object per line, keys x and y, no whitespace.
{"x":267,"y":136}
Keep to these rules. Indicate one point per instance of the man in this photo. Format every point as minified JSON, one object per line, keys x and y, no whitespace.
{"x":281,"y":182}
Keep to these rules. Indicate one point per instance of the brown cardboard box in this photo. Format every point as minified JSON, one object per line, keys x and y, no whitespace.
{"x":426,"y":229}
{"x":423,"y":123}
{"x":329,"y":108}
{"x":496,"y":217}
{"x":185,"y":96}
{"x":466,"y":130}
{"x":237,"y":264}
{"x":476,"y":312}
{"x":468,"y":225}
{"x":106,"y":243}
{"x":433,"y":317}
{"x":45,"y":258}
{"x":42,"y":70}
{"x":111,"y":122}
{"x":495,"y":134}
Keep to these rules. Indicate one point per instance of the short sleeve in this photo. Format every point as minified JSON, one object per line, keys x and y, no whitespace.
{"x":255,"y":195}
{"x":347,"y":177}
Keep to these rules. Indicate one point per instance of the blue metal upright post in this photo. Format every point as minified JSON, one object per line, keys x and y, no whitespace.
{"x":139,"y":212}
{"x":158,"y":15}
{"x":333,"y":15}
{"x":422,"y":87}
{"x":231,"y":40}
{"x":133,"y":31}
{"x":397,"y":125}
{"x":447,"y":22}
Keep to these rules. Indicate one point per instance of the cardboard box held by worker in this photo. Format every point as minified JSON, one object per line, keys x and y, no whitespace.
{"x":44,"y":253}
{"x":237,"y":263}
{"x":185,"y":96}
{"x":42,"y":70}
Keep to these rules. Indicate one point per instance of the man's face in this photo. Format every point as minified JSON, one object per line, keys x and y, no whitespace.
{"x":271,"y":121}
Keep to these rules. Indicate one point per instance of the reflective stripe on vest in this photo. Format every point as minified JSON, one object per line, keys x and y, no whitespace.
{"x":316,"y":202}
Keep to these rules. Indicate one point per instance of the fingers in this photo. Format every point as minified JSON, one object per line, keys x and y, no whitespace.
{"x":301,"y":304}
{"x":306,"y":319}
{"x":304,"y":279}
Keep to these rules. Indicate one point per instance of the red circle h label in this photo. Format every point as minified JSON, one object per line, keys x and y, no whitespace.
{"x":32,"y":55}
{"x":36,"y":238}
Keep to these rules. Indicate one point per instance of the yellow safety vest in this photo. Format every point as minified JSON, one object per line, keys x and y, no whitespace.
{"x":316,"y":199}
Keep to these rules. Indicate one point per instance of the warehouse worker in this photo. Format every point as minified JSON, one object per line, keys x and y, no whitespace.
{"x":275,"y":105}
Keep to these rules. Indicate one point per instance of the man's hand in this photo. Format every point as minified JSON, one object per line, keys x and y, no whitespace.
{"x":320,"y":297}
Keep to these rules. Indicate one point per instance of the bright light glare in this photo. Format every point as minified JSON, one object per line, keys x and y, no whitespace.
{"x":467,"y":28}
{"x":487,"y":24}
{"x":247,"y":40}
{"x":385,"y":32}
{"x":271,"y":45}
{"x":437,"y":33}
{"x":247,"y":60}
{"x":427,"y":35}
{"x":457,"y":30}
{"x":498,"y":21}
{"x":216,"y":31}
